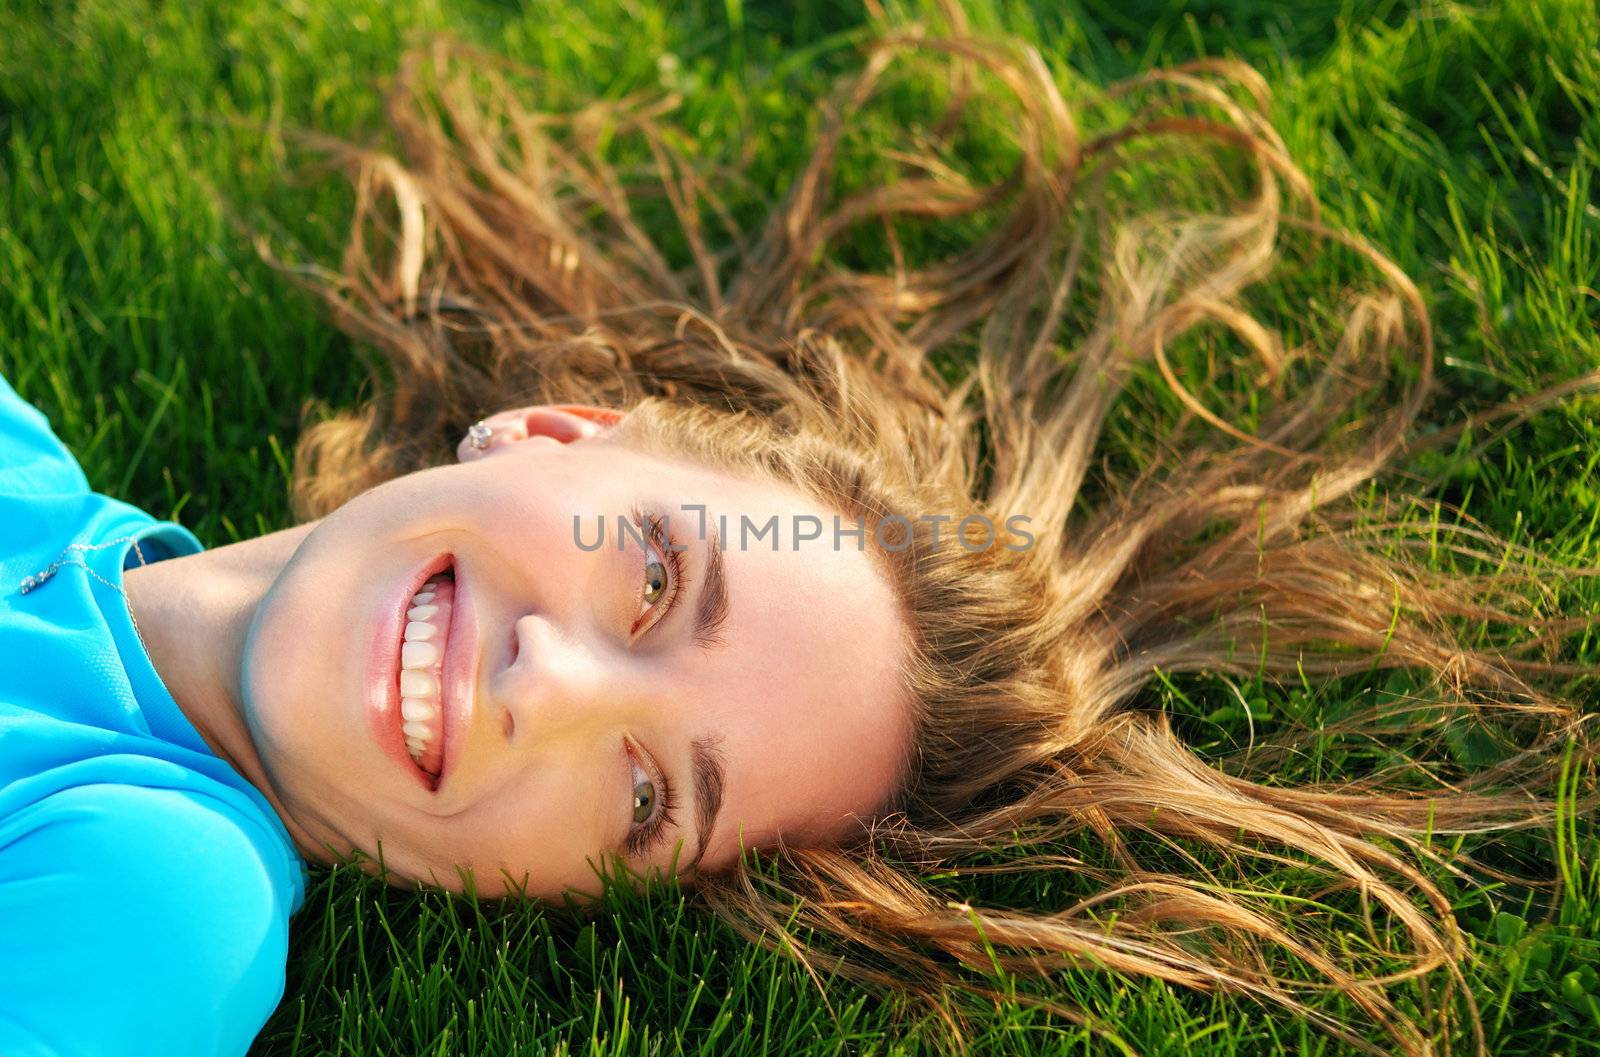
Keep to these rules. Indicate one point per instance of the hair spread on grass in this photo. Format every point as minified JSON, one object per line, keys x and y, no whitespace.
{"x":500,"y":256}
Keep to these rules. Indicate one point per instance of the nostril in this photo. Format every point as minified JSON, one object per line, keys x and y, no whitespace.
{"x":508,"y":722}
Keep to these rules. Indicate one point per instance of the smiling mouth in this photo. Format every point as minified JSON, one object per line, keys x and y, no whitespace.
{"x":420,"y":671}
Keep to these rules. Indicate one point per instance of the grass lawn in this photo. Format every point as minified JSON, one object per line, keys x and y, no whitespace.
{"x":142,"y":143}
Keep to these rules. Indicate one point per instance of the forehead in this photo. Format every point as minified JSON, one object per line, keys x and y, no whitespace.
{"x":803,"y":692}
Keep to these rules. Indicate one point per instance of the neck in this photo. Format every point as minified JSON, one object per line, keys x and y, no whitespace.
{"x":194,"y":615}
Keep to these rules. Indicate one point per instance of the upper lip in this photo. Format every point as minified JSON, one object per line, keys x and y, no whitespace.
{"x":457,"y":676}
{"x":446,"y":698}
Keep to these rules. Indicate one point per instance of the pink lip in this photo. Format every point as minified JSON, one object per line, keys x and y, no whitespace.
{"x":383,"y":689}
{"x":459,"y":675}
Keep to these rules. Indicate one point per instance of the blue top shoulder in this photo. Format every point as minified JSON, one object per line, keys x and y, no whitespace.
{"x":145,"y":885}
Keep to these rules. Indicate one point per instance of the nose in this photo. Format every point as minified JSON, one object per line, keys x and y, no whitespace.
{"x":562,"y":684}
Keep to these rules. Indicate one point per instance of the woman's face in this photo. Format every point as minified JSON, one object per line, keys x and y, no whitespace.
{"x":569,"y":701}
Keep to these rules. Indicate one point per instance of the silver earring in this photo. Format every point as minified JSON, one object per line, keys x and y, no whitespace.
{"x":478,"y":435}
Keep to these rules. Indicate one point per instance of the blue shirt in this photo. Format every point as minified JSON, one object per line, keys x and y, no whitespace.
{"x":145,"y":886}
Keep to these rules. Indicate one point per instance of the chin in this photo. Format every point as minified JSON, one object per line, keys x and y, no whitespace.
{"x":281,"y":662}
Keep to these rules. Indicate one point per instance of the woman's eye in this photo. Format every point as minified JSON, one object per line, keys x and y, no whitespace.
{"x":663,"y":570}
{"x":652,"y":809}
{"x":644,"y":798}
{"x":655,"y":580}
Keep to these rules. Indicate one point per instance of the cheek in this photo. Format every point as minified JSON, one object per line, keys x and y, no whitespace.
{"x":536,"y":829}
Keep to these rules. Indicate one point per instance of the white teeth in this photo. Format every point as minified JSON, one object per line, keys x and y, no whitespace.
{"x":421,"y":653}
{"x":418,"y":684}
{"x":417,"y":710}
{"x":418,"y":654}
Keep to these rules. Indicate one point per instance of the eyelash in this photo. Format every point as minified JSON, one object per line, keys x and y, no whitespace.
{"x":643,"y":838}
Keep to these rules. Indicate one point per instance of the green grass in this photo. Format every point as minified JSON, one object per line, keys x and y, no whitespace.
{"x":142,"y":143}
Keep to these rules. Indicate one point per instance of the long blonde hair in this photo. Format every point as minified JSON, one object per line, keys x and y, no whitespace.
{"x":499,"y":257}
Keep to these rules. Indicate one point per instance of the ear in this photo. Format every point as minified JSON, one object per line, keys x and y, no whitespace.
{"x":562,"y":423}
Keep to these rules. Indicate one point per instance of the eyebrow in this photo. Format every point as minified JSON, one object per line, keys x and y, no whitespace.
{"x":705,"y":760}
{"x":709,"y":780}
{"x":711,"y":609}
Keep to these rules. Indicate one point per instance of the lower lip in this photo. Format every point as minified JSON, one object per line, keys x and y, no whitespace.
{"x":383,"y":685}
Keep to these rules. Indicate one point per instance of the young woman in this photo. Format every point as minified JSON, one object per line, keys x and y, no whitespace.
{"x":649,"y":554}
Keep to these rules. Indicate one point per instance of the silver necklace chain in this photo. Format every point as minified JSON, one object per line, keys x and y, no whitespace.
{"x":74,"y":555}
